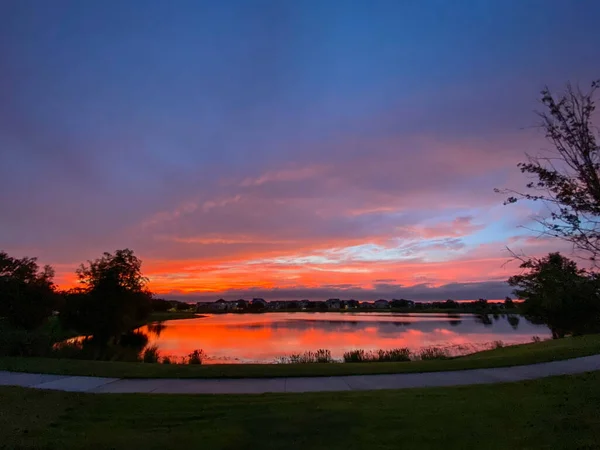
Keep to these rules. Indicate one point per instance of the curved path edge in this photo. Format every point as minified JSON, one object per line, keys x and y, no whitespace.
{"x":305,"y":384}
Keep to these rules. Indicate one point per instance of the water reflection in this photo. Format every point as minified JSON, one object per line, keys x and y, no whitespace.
{"x":264,"y":337}
{"x":156,"y":328}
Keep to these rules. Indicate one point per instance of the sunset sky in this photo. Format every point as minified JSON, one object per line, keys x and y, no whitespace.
{"x":282,"y":149}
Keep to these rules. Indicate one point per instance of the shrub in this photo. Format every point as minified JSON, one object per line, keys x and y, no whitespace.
{"x":320,"y":356}
{"x":355,"y":356}
{"x":196,"y":357}
{"x":498,"y":344}
{"x":396,"y":354}
{"x":151,"y":354}
{"x":166,"y":360}
{"x":323,"y":356}
{"x":433,"y":353}
{"x":21,"y":342}
{"x":536,"y":339}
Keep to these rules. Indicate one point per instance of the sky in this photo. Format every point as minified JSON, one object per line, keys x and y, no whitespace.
{"x":282,"y":149}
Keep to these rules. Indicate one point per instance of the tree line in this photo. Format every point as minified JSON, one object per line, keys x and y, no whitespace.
{"x":111,"y":297}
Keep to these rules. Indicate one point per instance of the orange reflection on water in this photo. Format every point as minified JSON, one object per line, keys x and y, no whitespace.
{"x":265,"y":337}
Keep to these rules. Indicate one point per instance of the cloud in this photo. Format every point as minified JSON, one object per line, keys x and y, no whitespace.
{"x":253,"y":163}
{"x":423,"y":292}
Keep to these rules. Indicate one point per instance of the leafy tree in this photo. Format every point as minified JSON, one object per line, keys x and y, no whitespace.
{"x":27,"y":294}
{"x":161,"y":305}
{"x":509,"y":303}
{"x":113,"y":298}
{"x":556,"y":292}
{"x":567,"y":179}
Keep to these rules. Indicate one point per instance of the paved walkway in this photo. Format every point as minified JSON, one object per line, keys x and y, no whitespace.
{"x":304,"y":384}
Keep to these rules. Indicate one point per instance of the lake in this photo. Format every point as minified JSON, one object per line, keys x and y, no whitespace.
{"x":262,"y":338}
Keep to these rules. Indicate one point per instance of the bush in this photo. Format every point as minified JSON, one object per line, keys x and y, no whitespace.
{"x":166,"y":360}
{"x":396,"y":354}
{"x":433,"y":353}
{"x":16,"y":341}
{"x":134,"y":339}
{"x":498,"y":344}
{"x":536,"y":339}
{"x":151,"y":354}
{"x":323,"y":356}
{"x":196,"y":357}
{"x":355,"y":356}
{"x":21,"y":342}
{"x":320,"y":356}
{"x":94,"y":349}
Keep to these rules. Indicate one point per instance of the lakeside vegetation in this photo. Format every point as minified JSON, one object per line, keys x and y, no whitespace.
{"x":260,"y":305}
{"x":532,"y":353}
{"x":553,"y":413}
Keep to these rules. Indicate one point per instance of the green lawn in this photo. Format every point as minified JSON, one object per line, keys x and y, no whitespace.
{"x":502,"y":357}
{"x":551,"y":413}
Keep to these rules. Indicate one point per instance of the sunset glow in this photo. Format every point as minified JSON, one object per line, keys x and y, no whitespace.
{"x":318,"y":151}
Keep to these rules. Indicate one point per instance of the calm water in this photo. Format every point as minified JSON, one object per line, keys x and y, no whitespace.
{"x":242,"y":338}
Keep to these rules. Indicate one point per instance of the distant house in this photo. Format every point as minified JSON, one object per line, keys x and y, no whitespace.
{"x":220,"y":305}
{"x":273,"y":305}
{"x":381,"y":304}
{"x":204,"y":306}
{"x":304,"y":304}
{"x":241,"y":305}
{"x":333,"y":303}
{"x":351,"y":304}
{"x":257,"y":301}
{"x":402,"y":303}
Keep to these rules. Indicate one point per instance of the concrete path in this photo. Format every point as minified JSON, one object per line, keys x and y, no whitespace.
{"x":304,"y":384}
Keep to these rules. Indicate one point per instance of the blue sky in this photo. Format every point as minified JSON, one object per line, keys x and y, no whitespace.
{"x":208,"y":136}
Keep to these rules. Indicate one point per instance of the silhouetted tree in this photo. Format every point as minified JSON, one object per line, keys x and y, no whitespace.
{"x":161,"y":305}
{"x":113,"y":297}
{"x":182,"y":306}
{"x":556,"y":292}
{"x":508,"y":303}
{"x":27,"y":294}
{"x":567,"y":179}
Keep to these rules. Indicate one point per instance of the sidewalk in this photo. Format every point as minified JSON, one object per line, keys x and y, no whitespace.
{"x":300,"y":384}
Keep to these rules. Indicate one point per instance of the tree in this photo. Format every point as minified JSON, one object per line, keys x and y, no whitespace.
{"x":509,"y":303}
{"x":27,"y":294}
{"x":559,"y":294}
{"x":113,"y":298}
{"x":567,"y":179}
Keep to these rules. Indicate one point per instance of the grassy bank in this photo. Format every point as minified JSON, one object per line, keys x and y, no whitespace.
{"x":501,"y":357}
{"x":170,"y":315}
{"x":551,"y":413}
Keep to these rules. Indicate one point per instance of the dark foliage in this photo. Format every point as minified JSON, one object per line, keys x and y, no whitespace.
{"x":567,"y":179}
{"x":113,"y":299}
{"x":27,"y":294}
{"x":556,"y":292}
{"x":160,"y":305}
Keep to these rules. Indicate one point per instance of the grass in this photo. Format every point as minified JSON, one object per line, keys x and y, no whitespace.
{"x":500,"y":357}
{"x":551,"y":413}
{"x":170,"y":315}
